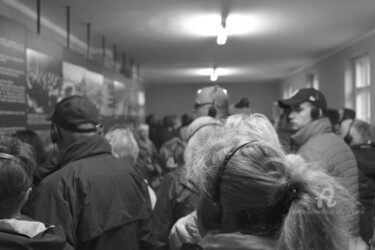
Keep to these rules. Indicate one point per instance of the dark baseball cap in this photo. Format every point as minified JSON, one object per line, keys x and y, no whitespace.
{"x":311,"y":95}
{"x":74,"y":110}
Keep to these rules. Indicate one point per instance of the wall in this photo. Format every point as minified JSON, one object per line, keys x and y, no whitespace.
{"x":334,"y":74}
{"x":165,"y":99}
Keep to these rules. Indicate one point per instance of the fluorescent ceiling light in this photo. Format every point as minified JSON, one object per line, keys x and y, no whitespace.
{"x":222,"y":36}
{"x":214,"y":75}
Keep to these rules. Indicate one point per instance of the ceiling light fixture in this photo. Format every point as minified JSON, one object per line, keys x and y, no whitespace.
{"x":223,"y":34}
{"x":214,"y":75}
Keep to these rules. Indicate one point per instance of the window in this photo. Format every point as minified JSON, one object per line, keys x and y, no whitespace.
{"x":288,"y":91}
{"x":312,"y":81}
{"x":362,"y":87}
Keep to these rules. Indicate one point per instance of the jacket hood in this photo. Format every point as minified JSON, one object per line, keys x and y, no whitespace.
{"x":316,"y":127}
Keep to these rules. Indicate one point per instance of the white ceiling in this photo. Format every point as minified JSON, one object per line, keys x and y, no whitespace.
{"x":173,"y":41}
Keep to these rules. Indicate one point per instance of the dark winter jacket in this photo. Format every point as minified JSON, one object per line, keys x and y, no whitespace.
{"x":365,"y":156}
{"x":176,"y":198}
{"x":100,"y":203}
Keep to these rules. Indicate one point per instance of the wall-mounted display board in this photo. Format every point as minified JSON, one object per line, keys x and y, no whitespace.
{"x":44,"y":86}
{"x":36,"y":73}
{"x":12,"y":76}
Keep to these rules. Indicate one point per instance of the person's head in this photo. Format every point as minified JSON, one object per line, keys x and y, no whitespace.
{"x":172,"y":153}
{"x":143,"y":131}
{"x":198,"y":132}
{"x":185,"y":120}
{"x":74,"y":117}
{"x":16,"y":170}
{"x":262,"y":191}
{"x":123,"y":144}
{"x":243,"y":103}
{"x":334,"y":117}
{"x":254,"y":125}
{"x":307,"y":105}
{"x":150,"y":120}
{"x":32,"y":138}
{"x":212,"y":101}
{"x":345,"y":113}
{"x":355,"y":131}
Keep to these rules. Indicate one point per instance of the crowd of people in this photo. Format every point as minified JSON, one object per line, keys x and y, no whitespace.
{"x":223,"y":178}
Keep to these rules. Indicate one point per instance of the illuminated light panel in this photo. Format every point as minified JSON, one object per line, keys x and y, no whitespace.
{"x":236,"y":25}
{"x":222,"y":36}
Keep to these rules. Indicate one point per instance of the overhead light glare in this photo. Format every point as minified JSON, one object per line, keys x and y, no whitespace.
{"x":223,"y":35}
{"x":214,"y":75}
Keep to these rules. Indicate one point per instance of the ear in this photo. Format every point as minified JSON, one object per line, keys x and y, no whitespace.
{"x":26,"y":197}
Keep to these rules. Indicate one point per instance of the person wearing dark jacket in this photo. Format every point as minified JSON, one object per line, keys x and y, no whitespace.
{"x":18,"y":231}
{"x":176,"y":196}
{"x":357,"y":134}
{"x":99,"y":202}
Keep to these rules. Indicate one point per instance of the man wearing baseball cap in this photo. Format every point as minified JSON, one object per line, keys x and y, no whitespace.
{"x":99,"y":201}
{"x":316,"y":141}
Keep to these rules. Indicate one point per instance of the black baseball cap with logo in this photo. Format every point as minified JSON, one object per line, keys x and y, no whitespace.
{"x":311,"y":95}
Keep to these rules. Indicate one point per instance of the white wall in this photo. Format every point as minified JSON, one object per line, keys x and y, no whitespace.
{"x":165,"y":99}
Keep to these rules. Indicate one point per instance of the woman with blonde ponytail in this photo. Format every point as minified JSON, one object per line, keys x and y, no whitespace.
{"x":268,"y":200}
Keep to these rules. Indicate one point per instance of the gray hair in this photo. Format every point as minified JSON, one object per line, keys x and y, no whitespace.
{"x":123,"y":143}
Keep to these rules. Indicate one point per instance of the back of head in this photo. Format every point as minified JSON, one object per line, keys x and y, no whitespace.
{"x":357,"y":131}
{"x":16,"y":169}
{"x":198,"y":132}
{"x":185,"y":120}
{"x":243,"y":103}
{"x":254,"y":125}
{"x":75,"y":114}
{"x":266,"y":193}
{"x":172,"y":153}
{"x":32,"y":138}
{"x":123,"y":143}
{"x":346,"y":113}
{"x":333,"y":115}
{"x":216,"y":100}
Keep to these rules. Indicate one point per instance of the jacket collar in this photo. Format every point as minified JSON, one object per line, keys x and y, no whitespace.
{"x":314,"y":128}
{"x":29,"y":228}
{"x":84,"y":147}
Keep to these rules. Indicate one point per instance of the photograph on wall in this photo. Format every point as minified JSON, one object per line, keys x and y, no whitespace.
{"x":12,"y":76}
{"x":121,"y":98}
{"x":93,"y":88}
{"x":44,"y":82}
{"x":133,"y":102}
{"x":108,"y":107}
{"x":73,"y":79}
{"x":78,"y":80}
